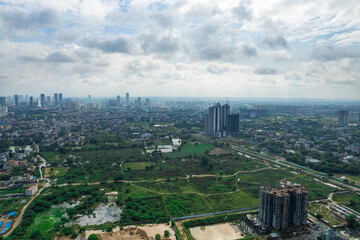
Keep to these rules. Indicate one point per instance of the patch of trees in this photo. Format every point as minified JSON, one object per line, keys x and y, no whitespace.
{"x":144,"y":211}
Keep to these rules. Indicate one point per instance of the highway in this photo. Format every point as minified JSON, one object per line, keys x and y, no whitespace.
{"x":296,"y":166}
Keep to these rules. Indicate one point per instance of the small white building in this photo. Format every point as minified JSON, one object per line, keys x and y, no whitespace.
{"x":31,"y":190}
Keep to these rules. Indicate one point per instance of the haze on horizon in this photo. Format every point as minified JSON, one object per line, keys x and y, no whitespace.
{"x":301,"y":49}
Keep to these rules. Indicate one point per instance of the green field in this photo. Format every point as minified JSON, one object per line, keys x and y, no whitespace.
{"x":350,"y":199}
{"x":137,"y":165}
{"x":325,"y":212}
{"x":13,"y":204}
{"x":45,"y":222}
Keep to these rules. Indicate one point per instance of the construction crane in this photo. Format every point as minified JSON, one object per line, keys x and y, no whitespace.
{"x":284,"y":203}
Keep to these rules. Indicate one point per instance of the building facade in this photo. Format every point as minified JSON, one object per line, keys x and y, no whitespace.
{"x":343,"y":117}
{"x":272,"y":212}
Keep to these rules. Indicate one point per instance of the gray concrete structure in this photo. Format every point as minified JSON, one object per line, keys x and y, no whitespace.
{"x":272,"y":205}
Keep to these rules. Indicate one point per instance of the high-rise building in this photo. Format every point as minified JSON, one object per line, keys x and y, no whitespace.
{"x":38,"y":103}
{"x":3,"y":111}
{"x":283,"y":206}
{"x":138,"y":103}
{"x":2,"y":101}
{"x":232,"y":125}
{"x":31,"y":101}
{"x":118,"y":100}
{"x":48,"y":100}
{"x":343,"y":117}
{"x":56,"y":99}
{"x":216,"y":120}
{"x":89,"y":97}
{"x":127,"y":99}
{"x":27,"y":98}
{"x":17,"y":100}
{"x":60,"y":99}
{"x":42,"y":100}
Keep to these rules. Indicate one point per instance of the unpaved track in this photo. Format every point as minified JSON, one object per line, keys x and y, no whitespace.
{"x":19,"y":218}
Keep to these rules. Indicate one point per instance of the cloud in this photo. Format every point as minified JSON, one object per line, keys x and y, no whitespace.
{"x":21,"y":19}
{"x":216,"y":69}
{"x":276,"y":42}
{"x":114,"y":45}
{"x":266,"y":71}
{"x":332,"y":53}
{"x":243,"y":12}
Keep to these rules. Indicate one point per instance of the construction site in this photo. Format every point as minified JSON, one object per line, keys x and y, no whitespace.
{"x":283,"y":206}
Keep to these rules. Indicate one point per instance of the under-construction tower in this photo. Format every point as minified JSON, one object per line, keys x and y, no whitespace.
{"x":283,"y":206}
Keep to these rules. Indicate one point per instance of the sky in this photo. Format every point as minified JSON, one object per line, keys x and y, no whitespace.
{"x":195,"y":48}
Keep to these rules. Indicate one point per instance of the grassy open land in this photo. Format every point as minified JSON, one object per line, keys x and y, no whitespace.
{"x":317,"y":190}
{"x":214,"y":185}
{"x":12,"y":191}
{"x":45,"y":223}
{"x":57,"y":171}
{"x":325,"y":212}
{"x":351,"y":178}
{"x":12,"y":204}
{"x":190,"y":149}
{"x":54,"y":158}
{"x":350,"y":199}
{"x":138,"y":165}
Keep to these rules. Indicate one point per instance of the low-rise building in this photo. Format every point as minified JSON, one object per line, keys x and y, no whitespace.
{"x":31,"y":190}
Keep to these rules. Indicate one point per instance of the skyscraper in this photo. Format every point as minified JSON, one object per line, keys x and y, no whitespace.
{"x":60,"y":99}
{"x":343,"y":117}
{"x":127,"y":99}
{"x":48,"y":100}
{"x":42,"y":100}
{"x":138,"y":103}
{"x":17,"y":100}
{"x":31,"y":101}
{"x":118,"y":100}
{"x":216,"y":120}
{"x":89,"y":97}
{"x":232,"y":124}
{"x":56,"y":99}
{"x":3,"y":101}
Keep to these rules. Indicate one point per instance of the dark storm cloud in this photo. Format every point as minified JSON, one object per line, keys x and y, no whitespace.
{"x":276,"y":42}
{"x":116,"y":45}
{"x":266,"y":71}
{"x":24,"y":20}
{"x":331,"y":53}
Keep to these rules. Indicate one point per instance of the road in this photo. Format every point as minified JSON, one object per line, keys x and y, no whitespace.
{"x":18,"y":219}
{"x":41,"y":166}
{"x":295,"y":166}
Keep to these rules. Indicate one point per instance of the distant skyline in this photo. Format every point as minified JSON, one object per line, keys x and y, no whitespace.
{"x":256,"y":49}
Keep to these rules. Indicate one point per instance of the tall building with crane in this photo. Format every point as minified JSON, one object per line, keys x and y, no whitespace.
{"x":283,"y":206}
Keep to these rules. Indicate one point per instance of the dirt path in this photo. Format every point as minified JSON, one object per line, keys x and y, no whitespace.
{"x":18,"y":220}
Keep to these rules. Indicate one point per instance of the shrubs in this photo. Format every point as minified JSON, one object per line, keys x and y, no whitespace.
{"x":212,"y":220}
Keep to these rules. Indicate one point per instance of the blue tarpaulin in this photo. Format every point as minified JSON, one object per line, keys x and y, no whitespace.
{"x":12,"y":214}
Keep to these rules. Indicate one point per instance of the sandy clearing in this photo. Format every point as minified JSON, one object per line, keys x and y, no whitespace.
{"x":134,"y":232}
{"x":224,"y":231}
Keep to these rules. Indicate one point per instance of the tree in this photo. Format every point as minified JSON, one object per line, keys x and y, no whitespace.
{"x":351,"y":220}
{"x":319,"y":216}
{"x":93,"y":237}
{"x":36,"y":234}
{"x":166,"y":233}
{"x":158,"y":236}
{"x":109,"y":229}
